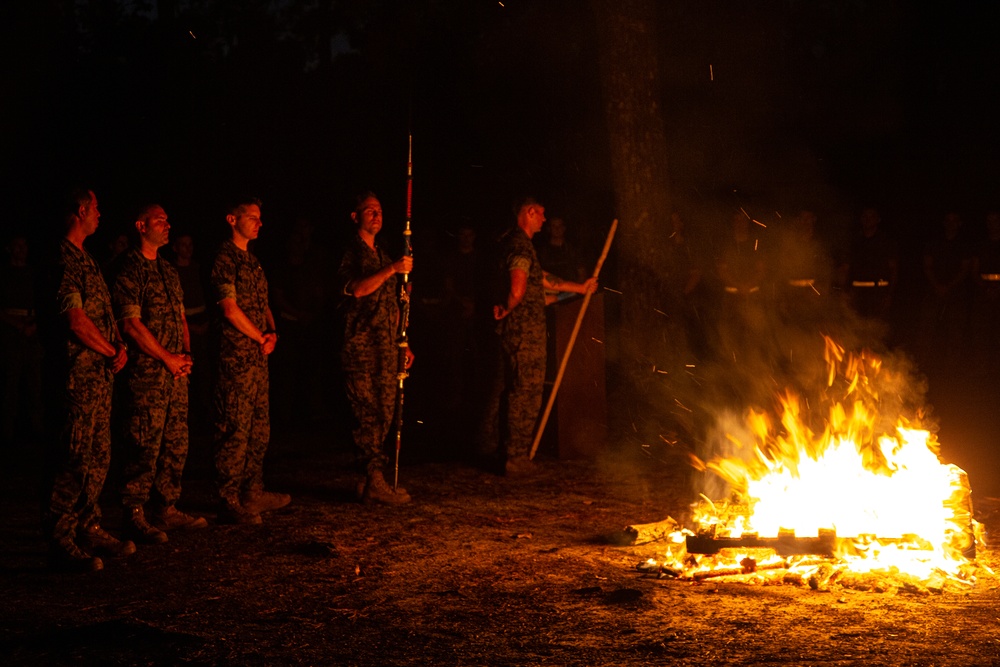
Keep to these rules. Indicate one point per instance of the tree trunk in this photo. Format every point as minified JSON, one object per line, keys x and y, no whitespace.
{"x":630,"y":82}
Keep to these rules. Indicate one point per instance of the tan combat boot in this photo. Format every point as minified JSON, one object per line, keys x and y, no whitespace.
{"x":232,"y":512}
{"x":259,"y":500}
{"x":95,"y":539}
{"x":141,"y":530}
{"x":171,"y":518}
{"x":377,"y":490}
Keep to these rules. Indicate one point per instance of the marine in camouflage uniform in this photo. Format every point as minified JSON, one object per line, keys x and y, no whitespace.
{"x":522,"y":348}
{"x":93,"y":352}
{"x":149,"y":303}
{"x":245,"y":337}
{"x":522,"y":333}
{"x":369,"y":355}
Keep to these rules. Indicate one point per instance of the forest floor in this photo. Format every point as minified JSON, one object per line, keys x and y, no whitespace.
{"x":477,"y":570}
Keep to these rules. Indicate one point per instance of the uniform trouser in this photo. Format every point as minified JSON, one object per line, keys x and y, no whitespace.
{"x":242,"y":429}
{"x":85,"y":453}
{"x":523,"y":360}
{"x":156,"y":437}
{"x":370,"y":383}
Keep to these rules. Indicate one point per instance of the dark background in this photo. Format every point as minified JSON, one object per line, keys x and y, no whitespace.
{"x":768,"y":105}
{"x":772,"y":105}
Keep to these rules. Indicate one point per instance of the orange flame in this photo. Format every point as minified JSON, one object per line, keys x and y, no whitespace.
{"x":893,"y":505}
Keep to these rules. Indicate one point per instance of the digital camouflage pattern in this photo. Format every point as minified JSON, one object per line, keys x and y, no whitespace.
{"x":156,"y":430}
{"x":240,"y":398}
{"x":85,"y":436}
{"x":369,"y":353}
{"x":522,"y":344}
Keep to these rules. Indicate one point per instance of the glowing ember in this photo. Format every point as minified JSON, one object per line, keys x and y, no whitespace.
{"x":875,"y":492}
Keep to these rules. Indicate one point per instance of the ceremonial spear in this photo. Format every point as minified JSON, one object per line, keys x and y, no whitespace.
{"x":402,"y":341}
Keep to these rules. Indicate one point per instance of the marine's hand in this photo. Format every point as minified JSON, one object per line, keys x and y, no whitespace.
{"x":179,"y":365}
{"x":118,"y":361}
{"x":403,"y":265}
{"x":270,"y":341}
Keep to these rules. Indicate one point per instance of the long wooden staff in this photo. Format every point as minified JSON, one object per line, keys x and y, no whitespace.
{"x":403,"y":341}
{"x":572,"y":341}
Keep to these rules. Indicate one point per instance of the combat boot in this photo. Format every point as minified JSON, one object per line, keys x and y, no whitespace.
{"x":377,"y":490}
{"x":519,"y":466}
{"x":259,"y":500}
{"x":141,"y":530}
{"x":364,"y":483}
{"x":95,"y":539}
{"x":66,"y":556}
{"x":171,"y":518}
{"x":231,"y":512}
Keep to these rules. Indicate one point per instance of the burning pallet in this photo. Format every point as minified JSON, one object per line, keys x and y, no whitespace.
{"x":785,"y":544}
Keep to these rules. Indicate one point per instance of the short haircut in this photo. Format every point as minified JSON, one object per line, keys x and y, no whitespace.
{"x":523,"y":202}
{"x":75,"y":198}
{"x":143,"y":213}
{"x":360,"y":199}
{"x":238,"y":205}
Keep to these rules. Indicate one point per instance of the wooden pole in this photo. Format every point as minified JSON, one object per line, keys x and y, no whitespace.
{"x":572,"y":341}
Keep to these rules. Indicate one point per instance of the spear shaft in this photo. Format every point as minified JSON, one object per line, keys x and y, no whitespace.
{"x":402,"y":341}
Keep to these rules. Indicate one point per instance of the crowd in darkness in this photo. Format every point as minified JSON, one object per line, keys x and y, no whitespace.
{"x":946,"y":315}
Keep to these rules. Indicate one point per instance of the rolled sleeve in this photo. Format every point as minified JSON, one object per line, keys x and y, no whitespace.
{"x":225,"y":291}
{"x":130,"y":310}
{"x":519,"y":262}
{"x":70,"y":301}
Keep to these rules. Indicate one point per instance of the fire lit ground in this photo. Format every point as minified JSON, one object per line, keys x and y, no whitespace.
{"x":483,"y":570}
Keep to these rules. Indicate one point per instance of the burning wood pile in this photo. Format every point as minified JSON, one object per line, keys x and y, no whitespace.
{"x":865,"y":504}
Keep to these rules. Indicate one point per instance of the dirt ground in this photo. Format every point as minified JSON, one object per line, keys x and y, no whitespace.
{"x":478,"y":570}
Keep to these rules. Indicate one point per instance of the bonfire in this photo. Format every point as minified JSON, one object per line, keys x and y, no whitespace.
{"x":860,"y":504}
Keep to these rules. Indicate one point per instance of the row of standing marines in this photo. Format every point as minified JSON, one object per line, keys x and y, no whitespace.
{"x":143,"y":304}
{"x":132,"y":329}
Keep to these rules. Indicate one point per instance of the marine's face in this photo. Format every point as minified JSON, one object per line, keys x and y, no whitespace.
{"x":368,"y":216}
{"x":536,"y":217}
{"x":155,"y":229}
{"x":246,"y":222}
{"x":90,"y":215}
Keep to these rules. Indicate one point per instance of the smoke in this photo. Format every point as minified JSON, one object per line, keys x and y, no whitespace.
{"x":770,"y":294}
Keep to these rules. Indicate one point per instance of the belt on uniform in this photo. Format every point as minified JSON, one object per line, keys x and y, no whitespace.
{"x":18,"y":312}
{"x":804,"y":282}
{"x":870,"y":283}
{"x":990,"y":277}
{"x":194,"y":310}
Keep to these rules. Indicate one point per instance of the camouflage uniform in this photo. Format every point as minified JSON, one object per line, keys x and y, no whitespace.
{"x":85,"y":438}
{"x":369,"y":355}
{"x":522,"y":347}
{"x":156,"y":433}
{"x":240,"y":400}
